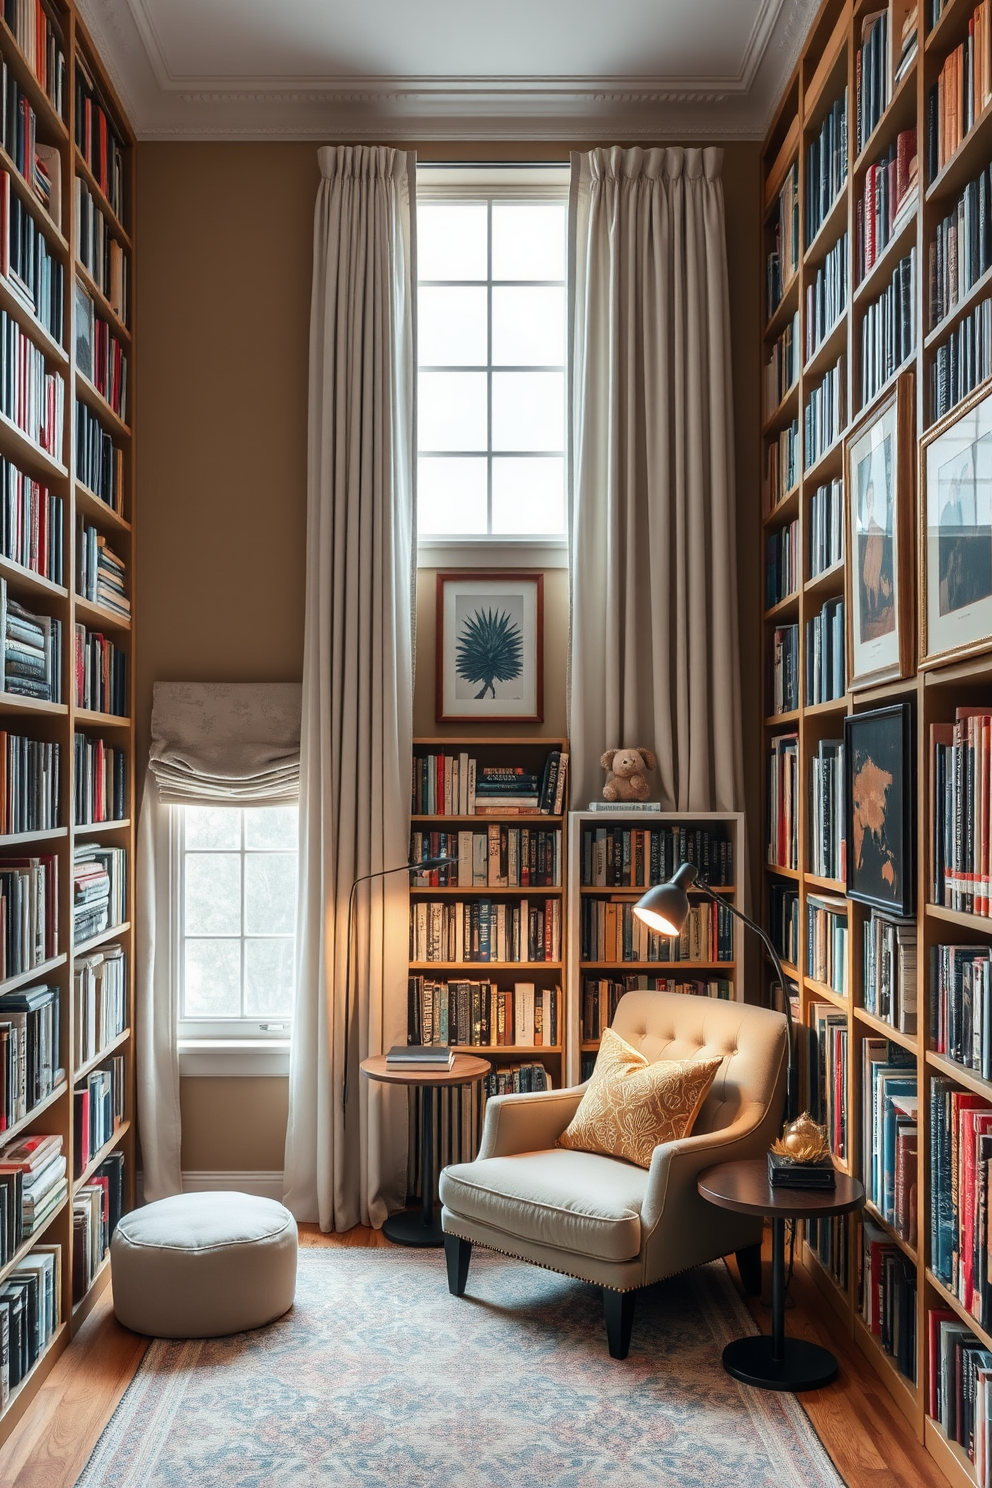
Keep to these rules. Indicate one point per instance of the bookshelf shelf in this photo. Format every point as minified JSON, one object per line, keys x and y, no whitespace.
{"x":961,"y":918}
{"x":830,"y":230}
{"x":24,"y":581}
{"x":781,"y":720}
{"x":95,"y":829}
{"x":81,"y":1309}
{"x":105,"y":1150}
{"x":111,"y":933}
{"x":90,"y":719}
{"x":978,"y":291}
{"x":90,"y":504}
{"x":900,"y":113}
{"x":827,"y":582}
{"x":826,"y":885}
{"x":11,"y":702}
{"x":18,"y":310}
{"x":949,"y":1299}
{"x":24,"y":839}
{"x":29,"y":451}
{"x":477,"y":967}
{"x":26,"y":1247}
{"x":785,"y":608}
{"x":821,"y":990}
{"x":784,"y":310}
{"x":92,"y":396}
{"x":951,"y":1460}
{"x":785,"y":412}
{"x":480,"y":891}
{"x":828,"y":464}
{"x":826,"y":353}
{"x":906,"y":1040}
{"x":893,"y":1234}
{"x":37,"y":973}
{"x":97,"y":1060}
{"x":81,"y":168}
{"x":880,"y":272}
{"x":904,"y":1392}
{"x":97,"y":615}
{"x":970,"y":1079}
{"x":783,"y":872}
{"x":968,"y":159}
{"x":784,"y":510}
{"x":34,"y":205}
{"x":39,"y":1110}
{"x":104,"y":306}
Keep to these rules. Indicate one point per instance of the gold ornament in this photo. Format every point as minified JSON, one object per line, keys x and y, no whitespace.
{"x":803,"y":1141}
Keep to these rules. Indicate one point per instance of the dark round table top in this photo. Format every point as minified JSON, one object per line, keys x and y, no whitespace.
{"x":744,"y":1187}
{"x":465,"y":1069}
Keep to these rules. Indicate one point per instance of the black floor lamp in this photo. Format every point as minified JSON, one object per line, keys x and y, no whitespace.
{"x":665,"y":909}
{"x":424,"y":866}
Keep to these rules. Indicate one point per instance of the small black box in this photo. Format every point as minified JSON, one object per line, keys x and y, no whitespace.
{"x":783,"y":1172}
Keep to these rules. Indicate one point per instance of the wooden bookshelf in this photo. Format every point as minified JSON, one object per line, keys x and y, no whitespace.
{"x":583,"y":897}
{"x":60,"y":471}
{"x":827,"y":64}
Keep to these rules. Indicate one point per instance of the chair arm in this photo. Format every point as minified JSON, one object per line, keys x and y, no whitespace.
{"x":529,"y":1122}
{"x":676,"y":1165}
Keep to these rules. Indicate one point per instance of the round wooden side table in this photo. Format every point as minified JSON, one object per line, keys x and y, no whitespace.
{"x":777,"y":1362}
{"x":420,"y":1226}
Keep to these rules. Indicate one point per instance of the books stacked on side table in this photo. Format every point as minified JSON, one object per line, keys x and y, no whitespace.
{"x":427,"y":1057}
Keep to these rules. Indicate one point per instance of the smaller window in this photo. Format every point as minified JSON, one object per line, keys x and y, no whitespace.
{"x":234,"y":903}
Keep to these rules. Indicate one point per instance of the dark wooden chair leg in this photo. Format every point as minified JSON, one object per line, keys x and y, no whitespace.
{"x":749,"y":1266}
{"x":457,"y":1254}
{"x":618,"y":1308}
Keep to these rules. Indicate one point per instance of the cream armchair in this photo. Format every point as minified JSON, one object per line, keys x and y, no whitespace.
{"x":604,"y":1220}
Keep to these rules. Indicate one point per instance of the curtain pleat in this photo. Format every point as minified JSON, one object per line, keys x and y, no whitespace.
{"x":653,"y":647}
{"x":348,"y":1166}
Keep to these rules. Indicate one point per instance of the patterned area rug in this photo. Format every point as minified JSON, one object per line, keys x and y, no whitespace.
{"x":379,"y":1377}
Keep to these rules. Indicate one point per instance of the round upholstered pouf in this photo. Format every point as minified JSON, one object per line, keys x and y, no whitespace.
{"x":203,"y":1264}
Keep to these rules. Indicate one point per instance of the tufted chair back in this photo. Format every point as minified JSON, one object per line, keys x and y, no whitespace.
{"x":671,"y":1025}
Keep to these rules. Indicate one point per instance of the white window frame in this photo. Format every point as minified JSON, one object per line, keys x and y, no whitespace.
{"x":218,"y":1046}
{"x":494,"y":183}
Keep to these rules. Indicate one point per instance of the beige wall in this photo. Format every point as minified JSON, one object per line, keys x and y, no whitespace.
{"x":223,"y":287}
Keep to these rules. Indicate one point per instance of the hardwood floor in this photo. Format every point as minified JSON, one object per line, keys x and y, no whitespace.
{"x":869,"y":1440}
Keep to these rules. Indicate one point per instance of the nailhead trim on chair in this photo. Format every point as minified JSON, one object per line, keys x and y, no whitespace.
{"x":514,"y":1256}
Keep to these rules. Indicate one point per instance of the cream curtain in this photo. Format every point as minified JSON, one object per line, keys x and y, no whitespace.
{"x":654,"y":644}
{"x":213,"y":744}
{"x":343,"y":1168}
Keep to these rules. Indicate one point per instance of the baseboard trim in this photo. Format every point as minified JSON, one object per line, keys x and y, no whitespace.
{"x":267,"y":1185}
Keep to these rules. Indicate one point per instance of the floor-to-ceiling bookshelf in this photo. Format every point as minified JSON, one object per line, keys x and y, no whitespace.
{"x":933,"y":689}
{"x":86,"y":156}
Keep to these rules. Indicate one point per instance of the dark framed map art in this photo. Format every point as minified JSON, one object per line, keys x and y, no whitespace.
{"x":878,"y":801}
{"x":490,"y":647}
{"x":956,"y":543}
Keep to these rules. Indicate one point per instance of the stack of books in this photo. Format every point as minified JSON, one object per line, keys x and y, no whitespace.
{"x":100,"y":356}
{"x":826,"y":413}
{"x":100,"y":781}
{"x":30,"y":523}
{"x":872,"y":75}
{"x":29,"y":913}
{"x":32,"y":651}
{"x":826,"y":535}
{"x":30,"y":268}
{"x":961,"y":788}
{"x":96,"y":1209}
{"x":960,"y":1393}
{"x":99,"y":1001}
{"x":98,"y":140}
{"x":482,"y":1014}
{"x":457,"y":785}
{"x":30,"y":1314}
{"x":826,"y":167}
{"x":826,"y":661}
{"x":888,"y":329}
{"x":29,"y":784}
{"x":33,"y":1184}
{"x":30,"y":396}
{"x":888,"y":202}
{"x":633,"y":858}
{"x":889,"y":981}
{"x":960,"y":1159}
{"x":781,"y":466}
{"x":826,"y":942}
{"x":890,"y":1132}
{"x":887,"y":1296}
{"x":961,"y":250}
{"x":825,"y":1073}
{"x":828,"y":1239}
{"x":828,"y":855}
{"x":783,"y":801}
{"x":785,"y":669}
{"x":498,"y":857}
{"x":99,"y":461}
{"x":427,"y":1058}
{"x":29,"y":1051}
{"x":782,"y":368}
{"x":963,"y":360}
{"x":100,"y":573}
{"x":962,"y":92}
{"x":610,"y":931}
{"x":98,"y":250}
{"x":100,"y":673}
{"x":41,"y":43}
{"x":516,"y":1080}
{"x":782,"y":563}
{"x":482,"y":930}
{"x":99,"y":877}
{"x":826,"y":297}
{"x":783,"y":260}
{"x":961,"y":1005}
{"x":97,"y":1110}
{"x":783,"y":920}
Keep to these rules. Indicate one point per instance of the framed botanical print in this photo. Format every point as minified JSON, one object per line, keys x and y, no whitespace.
{"x":879,"y":472}
{"x":878,"y":807}
{"x":956,"y":540}
{"x":490,"y":647}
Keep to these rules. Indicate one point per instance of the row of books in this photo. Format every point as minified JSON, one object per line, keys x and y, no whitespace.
{"x":785,"y":669}
{"x":887,"y":1296}
{"x":889,"y":1132}
{"x":601,"y":995}
{"x":100,"y":573}
{"x":38,"y":164}
{"x":96,"y":1209}
{"x":872,"y":75}
{"x":30,"y":396}
{"x":100,"y":356}
{"x":458,"y":785}
{"x":97,"y":1111}
{"x":30,"y":1314}
{"x":484,"y":930}
{"x":825,"y":413}
{"x":824,"y":1073}
{"x":29,"y":784}
{"x":962,"y":361}
{"x":960,"y":1158}
{"x":30,"y":523}
{"x":826,"y":942}
{"x":888,"y":989}
{"x":33,"y":1183}
{"x":29,"y":913}
{"x":826,"y":297}
{"x":826,"y":527}
{"x":100,"y":781}
{"x":827,"y":854}
{"x":99,"y":877}
{"x":517,"y":1079}
{"x":781,"y":465}
{"x":99,"y":461}
{"x":27,"y":262}
{"x":961,"y":1005}
{"x":498,"y":857}
{"x":962,"y":91}
{"x":961,"y":250}
{"x":99,"y":1001}
{"x":888,"y":329}
{"x":100,"y":252}
{"x":828,"y":1240}
{"x":632,"y":858}
{"x":483,"y":1015}
{"x":100,"y":673}
{"x":960,"y":810}
{"x":886,"y":204}
{"x":826,"y":167}
{"x":29,"y":1050}
{"x":783,"y":260}
{"x":826,"y":664}
{"x":783,"y":801}
{"x":960,"y":1393}
{"x":42,"y":46}
{"x":782,"y":568}
{"x":98,"y":141}
{"x":610,"y":931}
{"x":782,"y":367}
{"x":783,"y":920}
{"x":30,"y":651}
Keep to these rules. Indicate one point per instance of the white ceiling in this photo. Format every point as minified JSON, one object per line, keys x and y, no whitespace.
{"x":439,"y":69}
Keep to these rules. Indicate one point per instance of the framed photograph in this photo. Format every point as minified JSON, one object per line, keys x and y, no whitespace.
{"x":879,"y":465}
{"x":878,"y":807}
{"x":490,"y":647}
{"x":956,"y":543}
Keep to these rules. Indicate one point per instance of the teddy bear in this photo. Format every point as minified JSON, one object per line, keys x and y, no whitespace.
{"x":626,"y":778}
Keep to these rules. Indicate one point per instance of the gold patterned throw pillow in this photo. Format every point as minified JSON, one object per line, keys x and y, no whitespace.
{"x":630,"y":1105}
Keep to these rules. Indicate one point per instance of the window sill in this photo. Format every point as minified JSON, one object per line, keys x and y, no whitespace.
{"x":233,"y":1057}
{"x":493,"y":552}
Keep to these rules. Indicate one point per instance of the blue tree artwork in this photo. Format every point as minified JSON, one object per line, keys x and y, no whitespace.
{"x":489,"y":649}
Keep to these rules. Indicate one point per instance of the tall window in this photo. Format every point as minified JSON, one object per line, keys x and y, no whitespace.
{"x":491,"y":351}
{"x":235,"y":900}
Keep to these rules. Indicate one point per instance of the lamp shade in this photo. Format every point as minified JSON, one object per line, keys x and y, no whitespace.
{"x":665,"y":908}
